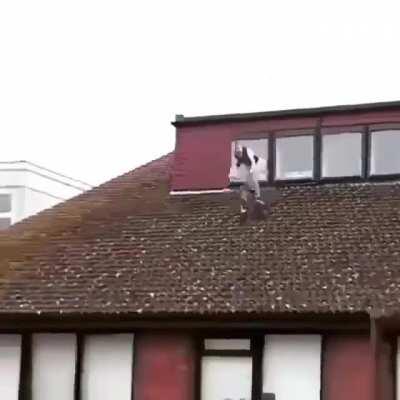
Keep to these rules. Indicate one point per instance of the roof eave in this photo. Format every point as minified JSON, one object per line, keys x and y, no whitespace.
{"x":297,"y":112}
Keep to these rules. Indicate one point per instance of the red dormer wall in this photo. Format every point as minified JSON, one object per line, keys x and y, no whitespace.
{"x":203,"y":151}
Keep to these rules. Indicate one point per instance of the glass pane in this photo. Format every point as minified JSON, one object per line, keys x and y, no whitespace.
{"x":5,"y":202}
{"x":224,"y":378}
{"x":385,"y":152}
{"x":341,"y":155}
{"x":260,"y":149}
{"x":292,"y":366}
{"x":294,"y":157}
{"x":10,"y":362}
{"x":227,"y":344}
{"x":107,"y":367}
{"x":53,"y":366}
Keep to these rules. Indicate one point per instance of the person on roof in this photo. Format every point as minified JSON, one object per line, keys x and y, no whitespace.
{"x":245,"y":157}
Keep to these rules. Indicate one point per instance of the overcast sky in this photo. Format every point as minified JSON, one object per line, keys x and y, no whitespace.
{"x":89,"y":87}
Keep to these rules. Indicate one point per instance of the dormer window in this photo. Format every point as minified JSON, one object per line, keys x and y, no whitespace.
{"x":260,"y":148}
{"x":327,"y":154}
{"x":385,"y":149}
{"x":341,"y":154}
{"x":294,"y":157}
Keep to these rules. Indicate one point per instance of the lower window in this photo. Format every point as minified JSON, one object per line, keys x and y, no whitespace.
{"x":107,"y":367}
{"x":226,"y":378}
{"x":53,"y":366}
{"x":226,"y":369}
{"x":46,"y":366}
{"x":10,"y":366}
{"x":292,"y":366}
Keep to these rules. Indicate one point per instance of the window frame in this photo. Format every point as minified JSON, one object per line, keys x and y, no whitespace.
{"x":337,"y":131}
{"x":379,"y":128}
{"x":294,"y":134}
{"x":317,"y":133}
{"x":26,"y":363}
{"x":253,"y":136}
{"x":255,"y":353}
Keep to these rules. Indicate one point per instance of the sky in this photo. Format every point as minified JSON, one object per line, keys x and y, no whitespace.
{"x":89,"y":87}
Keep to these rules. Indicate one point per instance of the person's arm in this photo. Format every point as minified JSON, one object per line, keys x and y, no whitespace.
{"x":252,"y":156}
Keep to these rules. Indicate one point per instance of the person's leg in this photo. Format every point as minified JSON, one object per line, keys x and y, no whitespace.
{"x":244,"y":191}
{"x":253,"y":184}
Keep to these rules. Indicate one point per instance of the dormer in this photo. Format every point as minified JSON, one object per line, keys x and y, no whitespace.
{"x":317,"y":145}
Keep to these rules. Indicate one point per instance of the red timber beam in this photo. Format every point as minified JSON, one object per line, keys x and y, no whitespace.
{"x":382,"y":361}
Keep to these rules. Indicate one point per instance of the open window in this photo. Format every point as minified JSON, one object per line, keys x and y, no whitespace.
{"x":260,"y":149}
{"x":341,"y":154}
{"x":385,"y":152}
{"x":294,"y":157}
{"x":226,"y":369}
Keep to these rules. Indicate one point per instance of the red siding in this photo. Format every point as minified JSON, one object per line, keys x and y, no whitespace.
{"x":371,"y":117}
{"x":203,"y":153}
{"x":348,"y":368}
{"x":164,"y":368}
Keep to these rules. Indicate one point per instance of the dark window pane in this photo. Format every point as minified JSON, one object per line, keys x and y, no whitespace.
{"x":5,"y":202}
{"x":385,"y":152}
{"x":341,"y":155}
{"x":227,"y":344}
{"x":294,"y":157}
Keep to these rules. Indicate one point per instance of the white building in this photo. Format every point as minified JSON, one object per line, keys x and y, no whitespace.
{"x":27,"y":188}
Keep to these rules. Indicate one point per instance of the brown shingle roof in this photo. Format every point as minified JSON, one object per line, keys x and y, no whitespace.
{"x":128,"y":246}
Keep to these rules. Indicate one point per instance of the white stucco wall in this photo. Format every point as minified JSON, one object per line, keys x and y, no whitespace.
{"x":35,"y":202}
{"x":35,"y":188}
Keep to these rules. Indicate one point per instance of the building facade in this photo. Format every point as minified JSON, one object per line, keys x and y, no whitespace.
{"x":26,"y":189}
{"x":148,"y":287}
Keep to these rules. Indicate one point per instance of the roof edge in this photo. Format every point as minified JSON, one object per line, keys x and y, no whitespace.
{"x":181,"y":120}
